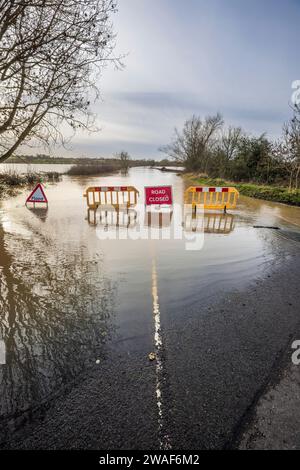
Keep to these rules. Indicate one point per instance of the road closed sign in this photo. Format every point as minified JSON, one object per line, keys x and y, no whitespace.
{"x":158,"y":195}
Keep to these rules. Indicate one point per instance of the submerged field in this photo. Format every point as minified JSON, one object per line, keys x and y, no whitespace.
{"x":12,"y":181}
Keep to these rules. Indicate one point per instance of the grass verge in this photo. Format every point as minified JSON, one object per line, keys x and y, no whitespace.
{"x":269,"y":193}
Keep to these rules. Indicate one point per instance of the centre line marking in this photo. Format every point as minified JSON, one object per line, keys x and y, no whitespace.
{"x":164,"y":440}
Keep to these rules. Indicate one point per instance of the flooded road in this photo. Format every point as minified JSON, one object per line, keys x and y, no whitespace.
{"x":82,"y":309}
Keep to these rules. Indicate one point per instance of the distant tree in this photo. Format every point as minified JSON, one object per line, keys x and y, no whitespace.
{"x":229,"y":142}
{"x":291,"y":152}
{"x":50,"y":53}
{"x":226,"y":150}
{"x":192,"y":147}
{"x":253,"y":159}
{"x":164,"y":162}
{"x":281,"y":165}
{"x":124,"y":157}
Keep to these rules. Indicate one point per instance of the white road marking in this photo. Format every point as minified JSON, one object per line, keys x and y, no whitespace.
{"x":2,"y":352}
{"x":164,"y":440}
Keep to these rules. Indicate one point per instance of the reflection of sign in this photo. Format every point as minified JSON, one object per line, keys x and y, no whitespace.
{"x":37,"y":195}
{"x":158,"y":219}
{"x":158,"y":195}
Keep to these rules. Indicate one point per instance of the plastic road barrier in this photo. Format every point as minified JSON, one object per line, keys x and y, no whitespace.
{"x":117,"y":196}
{"x":212,"y":198}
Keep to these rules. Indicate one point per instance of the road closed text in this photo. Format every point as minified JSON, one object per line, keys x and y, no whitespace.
{"x":158,"y":195}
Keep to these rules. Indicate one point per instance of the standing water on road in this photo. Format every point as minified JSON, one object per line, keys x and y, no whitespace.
{"x":68,"y":293}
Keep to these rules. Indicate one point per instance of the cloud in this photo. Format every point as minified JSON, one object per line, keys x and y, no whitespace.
{"x":195,"y":57}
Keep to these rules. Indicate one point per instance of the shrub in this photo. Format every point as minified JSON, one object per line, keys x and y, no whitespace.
{"x":93,"y":169}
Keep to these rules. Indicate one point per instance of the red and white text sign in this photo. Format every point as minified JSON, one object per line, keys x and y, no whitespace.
{"x":37,"y":195}
{"x":159,"y":195}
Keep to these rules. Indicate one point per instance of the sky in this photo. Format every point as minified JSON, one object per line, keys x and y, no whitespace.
{"x":185,"y":57}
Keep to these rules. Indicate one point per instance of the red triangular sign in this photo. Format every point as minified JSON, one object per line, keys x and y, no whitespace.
{"x":37,"y":195}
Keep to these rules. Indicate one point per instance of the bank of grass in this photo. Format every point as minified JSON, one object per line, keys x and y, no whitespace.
{"x":268,"y":193}
{"x":12,"y":181}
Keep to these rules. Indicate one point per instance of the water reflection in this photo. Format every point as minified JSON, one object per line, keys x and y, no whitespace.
{"x":124,"y":171}
{"x":158,"y":218}
{"x":52,"y":323}
{"x":209,"y":222}
{"x":112,"y":218}
{"x":39,"y":212}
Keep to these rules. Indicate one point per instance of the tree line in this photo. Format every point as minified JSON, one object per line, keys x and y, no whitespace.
{"x":206,"y":146}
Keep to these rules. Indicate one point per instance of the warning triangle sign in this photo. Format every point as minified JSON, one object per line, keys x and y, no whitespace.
{"x":37,"y":195}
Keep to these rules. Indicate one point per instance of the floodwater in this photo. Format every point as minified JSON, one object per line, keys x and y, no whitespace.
{"x":68,"y":288}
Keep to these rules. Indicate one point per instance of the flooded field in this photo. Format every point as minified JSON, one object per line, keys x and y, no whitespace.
{"x":68,"y":290}
{"x":33,"y":167}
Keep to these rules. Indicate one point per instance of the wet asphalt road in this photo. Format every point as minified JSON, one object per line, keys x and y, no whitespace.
{"x":216,"y":363}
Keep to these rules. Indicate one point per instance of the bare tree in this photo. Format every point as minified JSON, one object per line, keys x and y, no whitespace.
{"x":229,"y":141}
{"x":291,"y":131}
{"x":124,"y":157}
{"x":226,"y":150}
{"x":51,"y":52}
{"x":192,"y":146}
